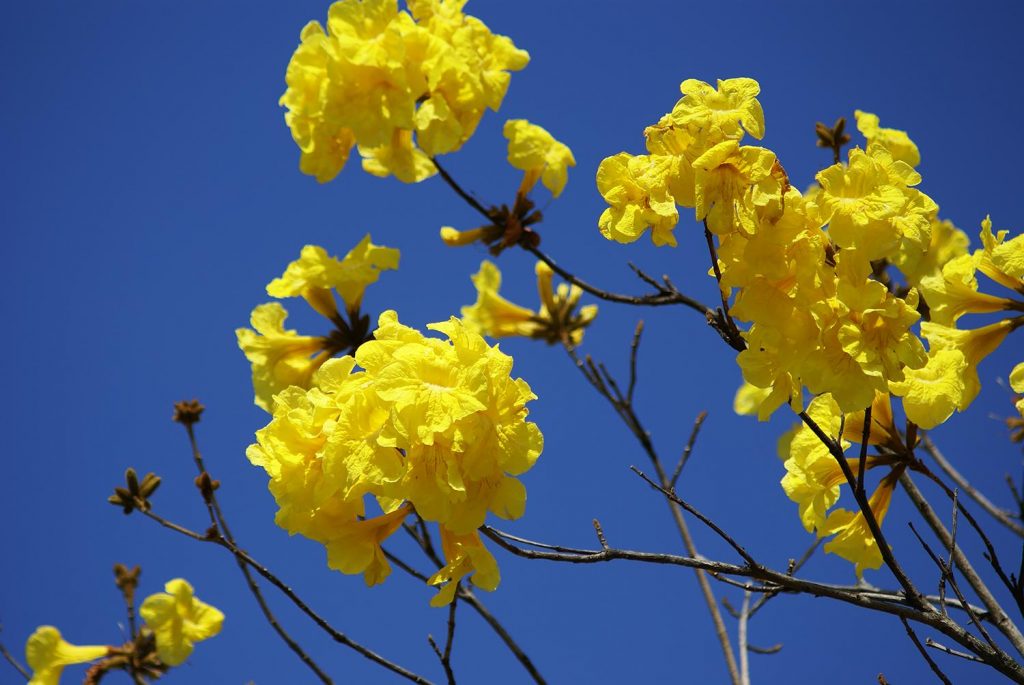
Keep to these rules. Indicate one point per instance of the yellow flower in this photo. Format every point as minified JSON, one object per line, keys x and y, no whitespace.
{"x":725,"y":177}
{"x":637,"y":190}
{"x":954,"y":293}
{"x":492,"y":314}
{"x":749,"y":398}
{"x":813,"y":476}
{"x":378,"y":76}
{"x":315,"y":272}
{"x":974,"y":344}
{"x":1000,"y":259}
{"x":897,"y":142}
{"x":465,"y":555}
{"x":535,"y":151}
{"x":931,"y":394}
{"x":946,"y":244}
{"x":1017,"y":383}
{"x":279,"y":357}
{"x":47,"y":654}
{"x":557,"y":317}
{"x":724,"y":110}
{"x":853,"y":539}
{"x":871,"y":206}
{"x":179,"y":620}
{"x":427,"y":424}
{"x":398,"y":157}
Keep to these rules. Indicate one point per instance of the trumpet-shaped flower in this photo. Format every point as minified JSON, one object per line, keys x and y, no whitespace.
{"x":47,"y":653}
{"x":279,"y":357}
{"x":179,"y":620}
{"x":466,"y":556}
{"x":897,"y":142}
{"x":954,"y":292}
{"x":931,"y":393}
{"x":557,"y":319}
{"x":1000,"y":259}
{"x":853,"y":539}
{"x":724,"y":182}
{"x":315,"y":272}
{"x":975,"y":345}
{"x":722,"y":111}
{"x":536,"y":152}
{"x":637,"y":189}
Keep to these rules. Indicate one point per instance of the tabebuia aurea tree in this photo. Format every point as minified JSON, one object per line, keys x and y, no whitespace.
{"x":850,"y":305}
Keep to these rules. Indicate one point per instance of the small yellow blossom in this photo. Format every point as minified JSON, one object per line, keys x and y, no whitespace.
{"x":179,"y":620}
{"x":931,"y":394}
{"x":636,"y":187}
{"x":47,"y":654}
{"x":399,"y":157}
{"x":315,"y":273}
{"x":1000,"y":259}
{"x":725,"y":178}
{"x":466,"y":556}
{"x":974,"y":345}
{"x":897,"y":142}
{"x":954,"y":292}
{"x":536,"y":152}
{"x":725,"y":110}
{"x":279,"y":357}
{"x":557,"y":319}
{"x":853,"y":539}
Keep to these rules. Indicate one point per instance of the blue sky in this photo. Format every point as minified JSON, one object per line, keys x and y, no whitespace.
{"x":153,"y":190}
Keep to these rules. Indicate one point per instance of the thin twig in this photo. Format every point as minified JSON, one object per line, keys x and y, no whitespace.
{"x":14,"y":661}
{"x":1003,"y":516}
{"x":924,"y":653}
{"x":952,"y":652}
{"x":701,"y":517}
{"x":688,"y":450}
{"x":999,"y":616}
{"x":445,"y":657}
{"x":335,"y":634}
{"x":898,"y":606}
{"x":741,"y":641}
{"x":869,"y":516}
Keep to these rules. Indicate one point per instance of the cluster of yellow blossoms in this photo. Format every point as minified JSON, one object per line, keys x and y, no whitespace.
{"x":176,"y":619}
{"x":831,"y":281}
{"x":282,"y":358}
{"x":557,"y":320}
{"x":432,"y":426}
{"x":403,"y":86}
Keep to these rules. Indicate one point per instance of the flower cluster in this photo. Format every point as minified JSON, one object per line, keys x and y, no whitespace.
{"x":831,"y":282}
{"x":557,"y":320}
{"x":282,"y":358}
{"x":403,"y":86}
{"x":428,"y":426}
{"x":174,"y":622}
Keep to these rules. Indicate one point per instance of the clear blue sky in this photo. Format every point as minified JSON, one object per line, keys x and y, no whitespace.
{"x":152,"y":189}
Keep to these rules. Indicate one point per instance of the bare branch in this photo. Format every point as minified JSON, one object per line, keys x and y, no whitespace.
{"x":924,"y":653}
{"x":688,"y":450}
{"x":1003,"y":516}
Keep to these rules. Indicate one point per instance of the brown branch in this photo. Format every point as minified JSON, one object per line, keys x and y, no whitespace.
{"x":869,"y":516}
{"x":263,"y":571}
{"x":999,"y":617}
{"x":952,"y":652}
{"x":208,"y":488}
{"x":688,"y":450}
{"x":1003,"y":516}
{"x":445,"y":657}
{"x":623,"y":406}
{"x":924,"y":653}
{"x":13,"y":661}
{"x":996,"y":658}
